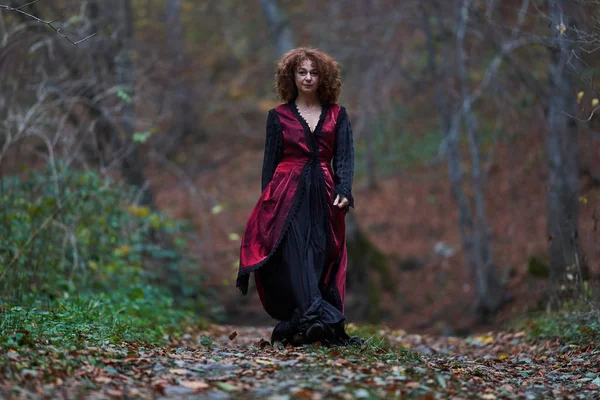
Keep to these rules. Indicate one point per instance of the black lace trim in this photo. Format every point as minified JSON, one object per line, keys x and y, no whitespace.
{"x":343,"y":157}
{"x":311,"y":135}
{"x":331,"y":293}
{"x":342,"y":190}
{"x":244,"y":274}
{"x":304,"y":122}
{"x":273,"y":148}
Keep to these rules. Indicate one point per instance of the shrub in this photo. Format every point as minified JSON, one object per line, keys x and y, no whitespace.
{"x":142,"y":313}
{"x":76,"y":232}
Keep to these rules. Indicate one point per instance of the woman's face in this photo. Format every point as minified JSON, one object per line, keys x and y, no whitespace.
{"x":307,"y":77}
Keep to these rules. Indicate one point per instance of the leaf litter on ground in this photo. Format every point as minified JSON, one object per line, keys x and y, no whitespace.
{"x":225,"y":362}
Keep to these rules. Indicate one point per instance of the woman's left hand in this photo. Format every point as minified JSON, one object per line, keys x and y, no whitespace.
{"x":341,"y":202}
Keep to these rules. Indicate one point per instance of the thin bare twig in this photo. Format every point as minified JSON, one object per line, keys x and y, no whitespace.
{"x":49,"y":23}
{"x":588,"y":119}
{"x":28,"y":4}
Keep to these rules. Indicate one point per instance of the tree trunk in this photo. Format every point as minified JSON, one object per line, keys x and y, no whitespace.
{"x":368,"y":274}
{"x":437,"y":76}
{"x":366,"y":105}
{"x":117,"y":55}
{"x":279,"y":27}
{"x":132,"y":165}
{"x":566,"y":261}
{"x":184,"y":118}
{"x":489,"y":295}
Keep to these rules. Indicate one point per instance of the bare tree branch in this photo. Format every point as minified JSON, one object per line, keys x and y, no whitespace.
{"x":49,"y":23}
{"x":588,"y":119}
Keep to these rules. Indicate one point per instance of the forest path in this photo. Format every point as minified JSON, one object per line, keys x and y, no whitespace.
{"x":225,"y":362}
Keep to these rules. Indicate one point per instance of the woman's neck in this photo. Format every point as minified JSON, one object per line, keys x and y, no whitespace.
{"x":307,"y":100}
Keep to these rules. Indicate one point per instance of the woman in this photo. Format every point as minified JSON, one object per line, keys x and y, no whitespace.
{"x":294,"y":240}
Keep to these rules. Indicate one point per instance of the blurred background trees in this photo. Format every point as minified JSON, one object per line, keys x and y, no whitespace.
{"x":475,"y":134}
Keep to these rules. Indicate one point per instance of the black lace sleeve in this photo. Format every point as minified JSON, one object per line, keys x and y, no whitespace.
{"x":343,"y":157}
{"x":273,"y":148}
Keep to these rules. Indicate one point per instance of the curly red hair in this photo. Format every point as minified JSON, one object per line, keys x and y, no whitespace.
{"x":329,"y":73}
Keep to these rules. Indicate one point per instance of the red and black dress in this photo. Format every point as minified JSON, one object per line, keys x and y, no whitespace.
{"x":295,"y":238}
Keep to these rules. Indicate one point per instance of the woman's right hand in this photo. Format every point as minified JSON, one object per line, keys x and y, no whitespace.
{"x":341,"y":202}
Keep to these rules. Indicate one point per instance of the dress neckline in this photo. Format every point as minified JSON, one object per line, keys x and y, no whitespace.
{"x":304,"y":123}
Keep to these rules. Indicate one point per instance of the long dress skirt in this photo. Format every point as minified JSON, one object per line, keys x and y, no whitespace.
{"x":292,"y":280}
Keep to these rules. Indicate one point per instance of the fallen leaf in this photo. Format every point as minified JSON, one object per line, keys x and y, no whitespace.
{"x":488,"y":396}
{"x":232,"y":335}
{"x":114,"y":392}
{"x":226,"y":386}
{"x":441,"y":381}
{"x":484,"y":339}
{"x":361,"y":394}
{"x":103,"y":379}
{"x":160,"y":388}
{"x":179,"y":371}
{"x":195,"y":385}
{"x":334,"y":353}
{"x":304,"y":393}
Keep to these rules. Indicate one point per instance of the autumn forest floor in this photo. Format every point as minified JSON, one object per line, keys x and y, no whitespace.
{"x":224,"y":362}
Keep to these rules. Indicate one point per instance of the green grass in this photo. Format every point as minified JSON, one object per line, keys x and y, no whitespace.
{"x":377,"y":346}
{"x":576,"y":325}
{"x":142,"y":314}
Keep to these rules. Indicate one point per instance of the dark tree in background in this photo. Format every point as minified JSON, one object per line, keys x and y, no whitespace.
{"x":185,"y":127}
{"x":566,"y":259}
{"x":490,"y":295}
{"x":132,"y":163}
{"x":278,"y":26}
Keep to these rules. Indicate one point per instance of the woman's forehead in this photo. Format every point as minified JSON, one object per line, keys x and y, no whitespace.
{"x":307,"y":63}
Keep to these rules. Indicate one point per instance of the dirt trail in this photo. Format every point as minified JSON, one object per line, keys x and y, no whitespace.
{"x":235,"y":362}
